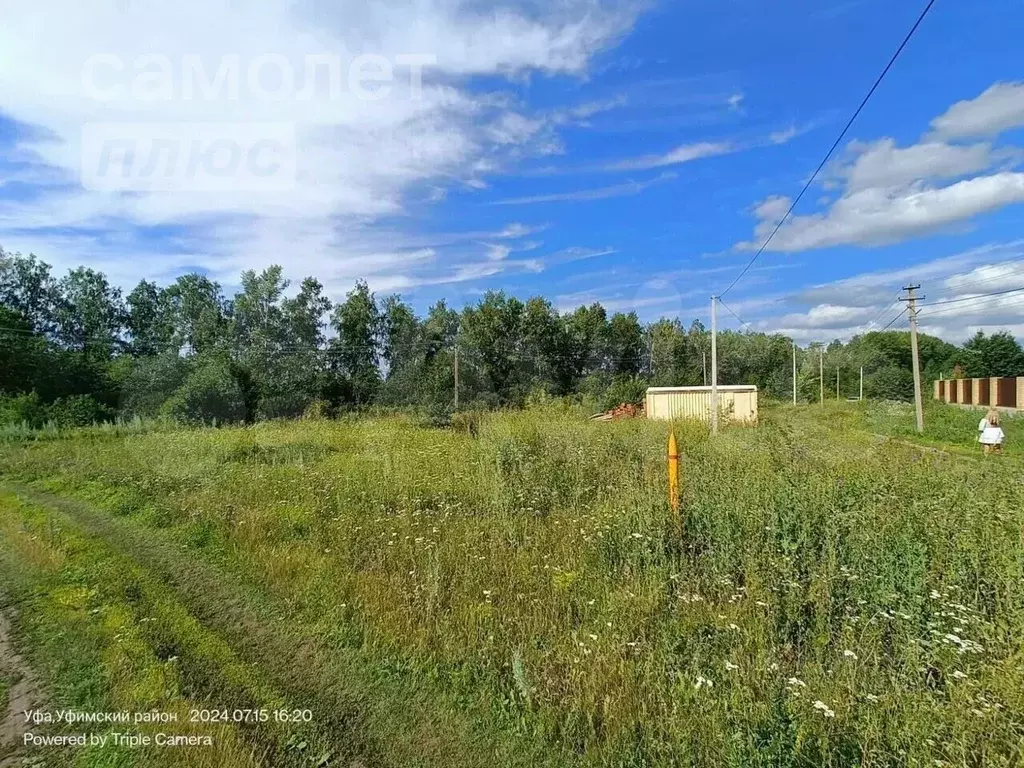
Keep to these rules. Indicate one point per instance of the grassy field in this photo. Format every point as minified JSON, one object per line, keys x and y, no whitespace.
{"x":830,"y":596}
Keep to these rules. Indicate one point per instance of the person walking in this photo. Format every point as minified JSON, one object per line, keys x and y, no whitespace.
{"x":991,"y":434}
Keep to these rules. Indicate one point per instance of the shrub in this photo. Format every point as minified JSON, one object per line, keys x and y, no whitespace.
{"x":151,"y":383}
{"x":78,"y":411}
{"x":317,"y":410}
{"x":625,"y":389}
{"x":890,"y":383}
{"x":209,"y":394}
{"x":23,"y":409}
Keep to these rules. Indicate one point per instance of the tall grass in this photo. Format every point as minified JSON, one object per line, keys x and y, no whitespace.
{"x":827,"y":598}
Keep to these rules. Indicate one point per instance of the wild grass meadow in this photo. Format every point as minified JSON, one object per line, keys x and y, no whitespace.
{"x":519,"y":593}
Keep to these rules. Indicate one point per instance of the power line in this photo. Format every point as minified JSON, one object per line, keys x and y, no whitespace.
{"x":901,"y":314}
{"x":729,"y":309}
{"x":972,"y":298}
{"x":835,"y":145}
{"x":878,"y":317}
{"x":974,"y":283}
{"x":1013,"y":303}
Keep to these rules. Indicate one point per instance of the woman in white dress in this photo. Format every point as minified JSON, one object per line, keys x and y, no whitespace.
{"x":990,"y":433}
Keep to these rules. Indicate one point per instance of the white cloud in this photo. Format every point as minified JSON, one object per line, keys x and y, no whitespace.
{"x":880,"y":216}
{"x":998,"y":109}
{"x":513,"y":128}
{"x":684,"y":153}
{"x":867,"y":302}
{"x":891,"y":193}
{"x":359,"y":160}
{"x":826,"y":316}
{"x":578,"y":253}
{"x":596,"y":193}
{"x":883,"y":164}
{"x":784,"y":136}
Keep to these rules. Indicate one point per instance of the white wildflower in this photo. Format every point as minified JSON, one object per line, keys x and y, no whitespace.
{"x":796,"y":681}
{"x":958,"y":674}
{"x":703,"y":682}
{"x":850,"y":654}
{"x":824,"y":709}
{"x":730,"y":666}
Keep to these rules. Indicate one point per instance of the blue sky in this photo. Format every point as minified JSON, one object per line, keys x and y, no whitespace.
{"x":628,"y":153}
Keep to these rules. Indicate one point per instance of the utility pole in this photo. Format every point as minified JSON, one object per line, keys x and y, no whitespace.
{"x":794,"y":373}
{"x":714,"y":367}
{"x":837,"y":383}
{"x":821,"y":374}
{"x":912,"y":300}
{"x":456,"y":377}
{"x":862,"y":382}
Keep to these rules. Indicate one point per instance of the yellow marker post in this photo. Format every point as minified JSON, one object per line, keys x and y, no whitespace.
{"x":673,"y":473}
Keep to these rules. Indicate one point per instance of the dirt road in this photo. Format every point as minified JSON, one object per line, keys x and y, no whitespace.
{"x":24,"y":692}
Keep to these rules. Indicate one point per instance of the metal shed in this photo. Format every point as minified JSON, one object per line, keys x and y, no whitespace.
{"x":735,"y":403}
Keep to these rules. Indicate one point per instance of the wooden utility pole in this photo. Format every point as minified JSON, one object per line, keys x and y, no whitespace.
{"x":794,"y":373}
{"x":714,"y":366}
{"x":821,"y":373}
{"x":911,"y":300}
{"x":456,"y":377}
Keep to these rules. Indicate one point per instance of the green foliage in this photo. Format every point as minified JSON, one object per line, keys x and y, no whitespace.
{"x":150,"y":320}
{"x":151,"y":382}
{"x":890,"y":383}
{"x":74,"y":336}
{"x":90,"y":314}
{"x":828,"y":596}
{"x":997,"y":355}
{"x":78,"y":411}
{"x":210,"y":394}
{"x":25,"y":409}
{"x":354,"y":351}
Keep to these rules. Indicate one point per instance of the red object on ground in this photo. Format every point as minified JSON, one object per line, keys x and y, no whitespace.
{"x":620,"y":411}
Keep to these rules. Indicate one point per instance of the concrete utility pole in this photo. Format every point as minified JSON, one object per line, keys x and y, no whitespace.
{"x":456,"y":377}
{"x":912,"y":300}
{"x":714,"y":366}
{"x":821,"y":373}
{"x":794,"y":373}
{"x":862,"y":382}
{"x":837,"y":383}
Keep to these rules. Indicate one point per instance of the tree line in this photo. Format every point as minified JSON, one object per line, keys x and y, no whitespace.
{"x":74,"y":350}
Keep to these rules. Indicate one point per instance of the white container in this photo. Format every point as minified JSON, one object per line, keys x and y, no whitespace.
{"x":735,"y":403}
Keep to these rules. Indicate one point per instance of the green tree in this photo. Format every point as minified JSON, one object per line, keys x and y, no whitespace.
{"x":151,"y":382}
{"x":625,"y":344}
{"x":149,"y":320}
{"x":90,"y":315}
{"x":997,"y":355}
{"x":585,"y":343}
{"x":493,"y":330}
{"x":543,"y":345}
{"x":28,"y":289}
{"x":199,"y":311}
{"x":211,"y":393}
{"x":354,"y":352}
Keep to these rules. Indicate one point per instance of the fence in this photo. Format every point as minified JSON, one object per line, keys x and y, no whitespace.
{"x":1005,"y":392}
